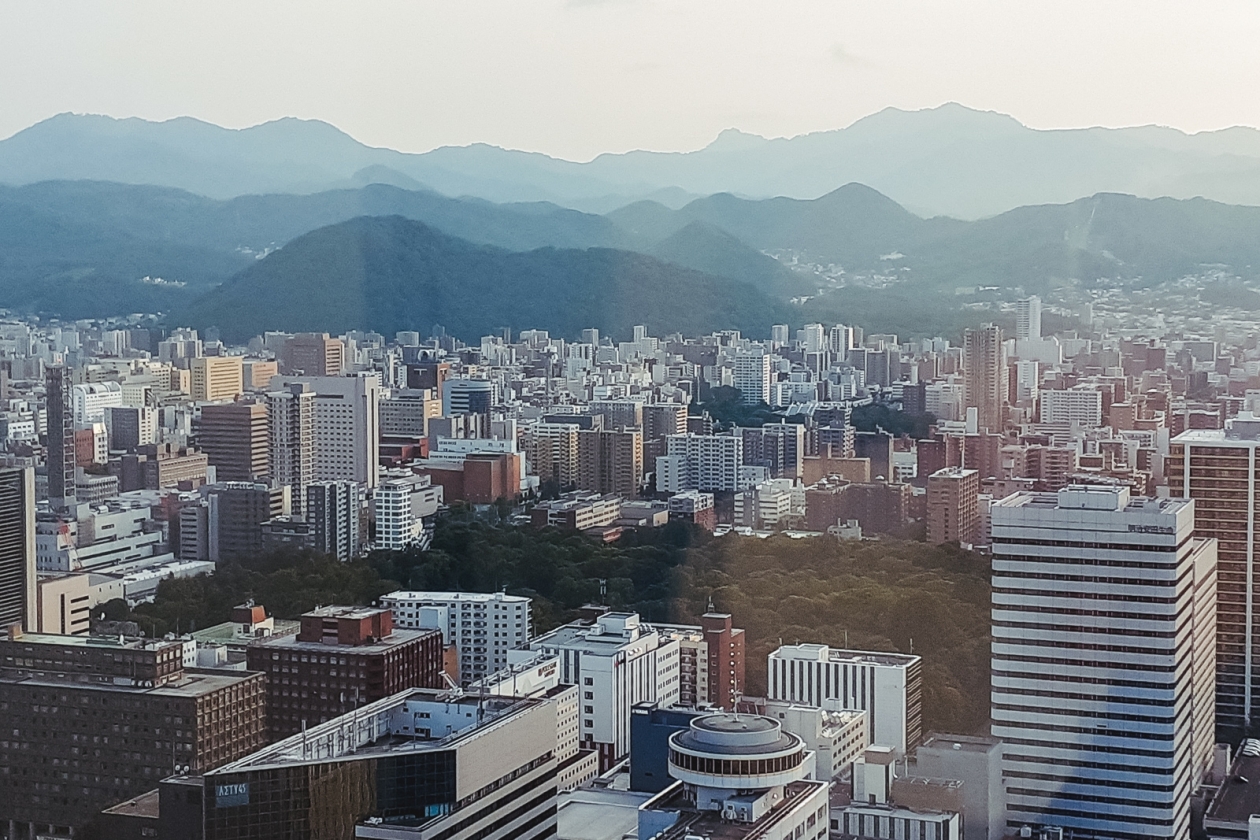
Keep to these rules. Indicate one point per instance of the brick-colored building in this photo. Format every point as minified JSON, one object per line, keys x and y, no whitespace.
{"x":341,"y":659}
{"x":953,"y":513}
{"x":234,"y":437}
{"x":479,"y":479}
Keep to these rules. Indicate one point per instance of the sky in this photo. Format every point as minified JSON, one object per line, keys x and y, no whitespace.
{"x":575,"y":78}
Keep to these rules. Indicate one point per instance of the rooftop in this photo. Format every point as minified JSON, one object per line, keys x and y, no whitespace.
{"x":393,"y":640}
{"x":963,"y":743}
{"x":1239,"y":795}
{"x":709,"y":824}
{"x":473,"y":597}
{"x":193,"y":683}
{"x":855,"y":657}
{"x":104,"y":642}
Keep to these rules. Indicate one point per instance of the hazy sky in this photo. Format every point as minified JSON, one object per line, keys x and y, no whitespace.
{"x":574,"y":78}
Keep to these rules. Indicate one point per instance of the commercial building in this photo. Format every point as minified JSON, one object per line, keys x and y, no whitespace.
{"x":215,"y":378}
{"x":837,"y":738}
{"x":577,"y":511}
{"x":887,"y":686}
{"x":1103,"y":660}
{"x":313,"y":354}
{"x":953,"y":507}
{"x":712,"y":463}
{"x":234,"y":438}
{"x":985,"y":380}
{"x":976,"y":761}
{"x":342,"y":658}
{"x":347,"y":426}
{"x":483,"y":627}
{"x":417,"y":765}
{"x":131,"y":426}
{"x":291,"y":439}
{"x":63,"y":605}
{"x":402,"y":507}
{"x":90,"y":721}
{"x":235,"y":514}
{"x":617,"y":662}
{"x":157,"y":466}
{"x":1028,"y":318}
{"x":1219,"y":470}
{"x":60,"y":422}
{"x":467,"y":396}
{"x":695,"y":507}
{"x":17,"y":548}
{"x":93,"y":399}
{"x":406,"y":412}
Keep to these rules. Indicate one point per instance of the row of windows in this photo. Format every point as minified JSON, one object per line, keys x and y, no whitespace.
{"x":735,"y":766}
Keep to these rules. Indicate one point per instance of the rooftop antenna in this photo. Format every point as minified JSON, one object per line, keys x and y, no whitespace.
{"x":603,"y":592}
{"x":710,"y":607}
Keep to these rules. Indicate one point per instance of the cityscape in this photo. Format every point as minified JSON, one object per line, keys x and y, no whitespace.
{"x":628,"y":420}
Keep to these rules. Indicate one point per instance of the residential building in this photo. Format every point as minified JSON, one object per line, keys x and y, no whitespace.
{"x":406,"y":412}
{"x":60,"y":422}
{"x":482,"y":627}
{"x":695,"y":507}
{"x":333,"y":511}
{"x":347,"y":426}
{"x":551,"y":449}
{"x":131,"y":426}
{"x":752,"y":377}
{"x":887,"y":686}
{"x":402,"y":507}
{"x":235,"y":514}
{"x":234,"y":438}
{"x":216,"y":378}
{"x":342,"y":658}
{"x":985,"y":378}
{"x":1093,"y":591}
{"x":610,"y":461}
{"x":17,"y":548}
{"x":1028,"y":318}
{"x":1081,"y":406}
{"x":700,"y":462}
{"x":291,"y":439}
{"x":953,"y":507}
{"x":577,"y":511}
{"x":115,"y":715}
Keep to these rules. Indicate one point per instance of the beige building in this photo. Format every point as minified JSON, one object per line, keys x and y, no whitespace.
{"x":63,"y":605}
{"x":313,"y":354}
{"x":552,"y":452}
{"x":215,"y":378}
{"x":984,"y":377}
{"x":953,"y":507}
{"x":610,"y":461}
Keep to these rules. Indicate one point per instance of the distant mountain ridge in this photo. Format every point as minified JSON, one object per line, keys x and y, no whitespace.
{"x":950,"y":160}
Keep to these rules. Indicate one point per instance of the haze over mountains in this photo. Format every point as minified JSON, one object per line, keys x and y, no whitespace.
{"x":950,"y":160}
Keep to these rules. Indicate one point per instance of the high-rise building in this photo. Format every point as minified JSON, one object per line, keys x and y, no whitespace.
{"x":234,"y":438}
{"x":347,"y":426}
{"x":1220,"y":470}
{"x":711,"y":661}
{"x":401,"y":507}
{"x":341,"y":658}
{"x":91,"y":399}
{"x":420,"y":764}
{"x":235,"y":514}
{"x":1081,"y":406}
{"x":116,"y":715}
{"x":779,"y":447}
{"x":552,"y":452}
{"x":1028,"y":318}
{"x":700,"y":462}
{"x":291,"y":439}
{"x":1103,"y":660}
{"x":215,"y":378}
{"x":17,"y":548}
{"x":60,"y":422}
{"x":467,"y":396}
{"x":953,"y":512}
{"x":610,"y":461}
{"x":985,"y":378}
{"x":313,"y":354}
{"x":407,"y":411}
{"x":131,"y":426}
{"x":752,"y":377}
{"x":483,"y":627}
{"x":333,"y":510}
{"x":887,"y":686}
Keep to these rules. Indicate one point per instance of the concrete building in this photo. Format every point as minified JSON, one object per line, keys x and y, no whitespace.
{"x":417,"y":765}
{"x":616,"y":661}
{"x":234,"y":438}
{"x":953,"y":513}
{"x":131,"y":426}
{"x":577,"y":511}
{"x":610,"y":461}
{"x":467,"y":396}
{"x":99,"y":708}
{"x":483,"y":627}
{"x":342,"y":658}
{"x":1081,"y":405}
{"x":752,"y":377}
{"x":402,"y":507}
{"x":837,"y":738}
{"x":93,"y":399}
{"x":985,"y":378}
{"x":695,"y":507}
{"x":700,"y":462}
{"x":1219,"y":469}
{"x":887,"y":686}
{"x":976,"y":761}
{"x":406,"y":412}
{"x":711,"y":661}
{"x":235,"y":514}
{"x":1094,"y":590}
{"x":58,"y":402}
{"x":291,"y":439}
{"x":1028,"y":318}
{"x":551,"y":450}
{"x":17,"y":549}
{"x":215,"y":378}
{"x":63,"y":605}
{"x":313,"y":354}
{"x":347,"y":426}
{"x":333,"y":511}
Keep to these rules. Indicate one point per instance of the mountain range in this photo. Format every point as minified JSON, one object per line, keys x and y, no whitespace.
{"x":950,"y":160}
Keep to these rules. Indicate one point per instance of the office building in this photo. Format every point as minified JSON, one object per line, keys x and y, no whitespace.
{"x":694,"y":507}
{"x":953,"y":507}
{"x":752,"y":377}
{"x":617,"y":662}
{"x":406,"y":412}
{"x":291,"y":439}
{"x":837,"y":738}
{"x":347,"y":426}
{"x":17,"y":548}
{"x":1103,"y":660}
{"x":738,"y":776}
{"x":235,"y":513}
{"x":313,"y":354}
{"x":985,"y":379}
{"x":1220,"y":471}
{"x":610,"y":461}
{"x":887,"y":686}
{"x":483,"y":627}
{"x":91,"y":721}
{"x":93,"y":399}
{"x":403,"y":507}
{"x":417,"y":765}
{"x":342,"y":658}
{"x":1028,"y":318}
{"x":976,"y":761}
{"x":461,"y":395}
{"x":216,"y":378}
{"x":577,"y":511}
{"x":60,"y":422}
{"x":234,"y":438}
{"x":62,"y":605}
{"x":333,"y":511}
{"x":131,"y":427}
{"x":710,"y":463}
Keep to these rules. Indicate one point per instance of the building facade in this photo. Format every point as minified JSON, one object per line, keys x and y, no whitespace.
{"x":483,"y":627}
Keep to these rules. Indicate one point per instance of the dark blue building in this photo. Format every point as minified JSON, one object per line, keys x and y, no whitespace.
{"x":650,"y":729}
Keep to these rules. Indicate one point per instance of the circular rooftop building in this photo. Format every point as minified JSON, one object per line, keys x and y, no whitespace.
{"x":737,"y":752}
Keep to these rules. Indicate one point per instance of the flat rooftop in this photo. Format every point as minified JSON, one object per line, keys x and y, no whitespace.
{"x":225,"y":633}
{"x":101,"y":642}
{"x":963,"y":743}
{"x":393,"y":640}
{"x":473,"y":597}
{"x":854,"y":657}
{"x":709,"y":824}
{"x":1238,"y":796}
{"x":193,"y":683}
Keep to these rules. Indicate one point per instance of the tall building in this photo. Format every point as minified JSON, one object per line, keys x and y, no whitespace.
{"x":712,"y":661}
{"x":401,"y":507}
{"x":984,"y":376}
{"x":215,"y":378}
{"x":92,"y":399}
{"x":313,"y":354}
{"x":347,"y":426}
{"x":235,"y":514}
{"x":333,"y":510}
{"x":17,"y":548}
{"x":1081,"y":405}
{"x":115,"y":715}
{"x":234,"y":438}
{"x":887,"y":686}
{"x":291,"y":439}
{"x":1103,"y":660}
{"x":467,"y":396}
{"x":700,"y":462}
{"x":483,"y":627}
{"x":953,"y":507}
{"x":60,"y":422}
{"x":752,"y":377}
{"x":1028,"y":318}
{"x":420,"y":764}
{"x":552,"y":452}
{"x":1220,"y":470}
{"x":341,"y":658}
{"x":610,"y":461}
{"x":131,"y":426}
